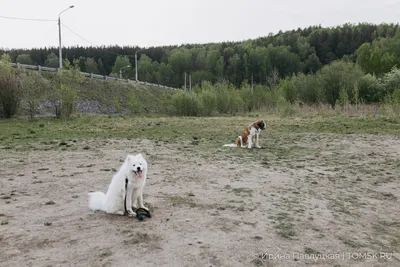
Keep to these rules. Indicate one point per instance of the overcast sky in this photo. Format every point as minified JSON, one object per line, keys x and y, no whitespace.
{"x":173,"y":22}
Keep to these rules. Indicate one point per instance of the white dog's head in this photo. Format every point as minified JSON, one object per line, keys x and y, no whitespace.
{"x":137,"y":164}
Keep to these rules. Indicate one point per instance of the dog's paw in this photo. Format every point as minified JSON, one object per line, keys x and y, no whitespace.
{"x":258,"y":146}
{"x":131,"y":213}
{"x":143,"y":207}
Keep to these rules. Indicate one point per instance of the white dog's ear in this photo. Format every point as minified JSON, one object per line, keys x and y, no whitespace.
{"x":139,"y":155}
{"x":128,"y":158}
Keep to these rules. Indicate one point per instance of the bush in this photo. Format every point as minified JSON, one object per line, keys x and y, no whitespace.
{"x":339,"y":75}
{"x":64,"y":94}
{"x":391,"y":81}
{"x":9,"y":89}
{"x":33,"y":88}
{"x":309,"y":88}
{"x":208,"y":101}
{"x":185,"y":104}
{"x":133,"y":103}
{"x":288,"y":90}
{"x":369,"y":89}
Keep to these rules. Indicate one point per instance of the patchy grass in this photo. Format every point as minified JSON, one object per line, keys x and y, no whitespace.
{"x":205,"y":132}
{"x":312,"y":186}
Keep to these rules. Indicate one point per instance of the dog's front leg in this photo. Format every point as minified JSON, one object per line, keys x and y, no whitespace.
{"x":250,"y":141}
{"x":257,"y":143}
{"x":135,"y":194}
{"x":129,"y":199}
{"x":140,"y":200}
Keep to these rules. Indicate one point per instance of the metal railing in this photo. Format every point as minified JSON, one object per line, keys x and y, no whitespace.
{"x":90,"y":75}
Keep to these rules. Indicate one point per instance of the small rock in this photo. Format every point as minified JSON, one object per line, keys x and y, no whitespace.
{"x":43,"y":169}
{"x":51,"y":202}
{"x":191,"y":195}
{"x":5,"y":197}
{"x":5,"y":222}
{"x":75,"y":196}
{"x":48,"y":223}
{"x":62,"y":143}
{"x":21,"y":174}
{"x":86,"y":147}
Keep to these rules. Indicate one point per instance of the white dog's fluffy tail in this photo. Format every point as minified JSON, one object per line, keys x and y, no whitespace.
{"x":97,"y":201}
{"x":230,"y":145}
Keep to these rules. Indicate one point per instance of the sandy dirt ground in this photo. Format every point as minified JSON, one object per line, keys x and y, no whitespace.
{"x":322,"y":200}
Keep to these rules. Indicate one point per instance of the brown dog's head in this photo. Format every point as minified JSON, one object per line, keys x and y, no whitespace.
{"x":260,"y":124}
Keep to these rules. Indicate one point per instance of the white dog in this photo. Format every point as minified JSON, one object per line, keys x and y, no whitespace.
{"x":126,"y":189}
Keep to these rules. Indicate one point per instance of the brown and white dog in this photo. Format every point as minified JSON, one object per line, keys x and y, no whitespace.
{"x":251,"y":131}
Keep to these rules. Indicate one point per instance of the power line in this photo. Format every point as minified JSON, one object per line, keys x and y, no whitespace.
{"x":4,"y":17}
{"x":92,"y":43}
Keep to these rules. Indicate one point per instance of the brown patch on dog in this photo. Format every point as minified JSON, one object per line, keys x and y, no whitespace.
{"x":245,"y":136}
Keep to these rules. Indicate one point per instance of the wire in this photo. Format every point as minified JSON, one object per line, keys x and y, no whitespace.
{"x":92,"y":43}
{"x":4,"y":17}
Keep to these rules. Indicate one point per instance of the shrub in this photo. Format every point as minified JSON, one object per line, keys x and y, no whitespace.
{"x":185,"y":104}
{"x":369,"y":89}
{"x":337,"y":76}
{"x":9,"y":89}
{"x":33,"y":88}
{"x":64,"y":94}
{"x":208,"y":101}
{"x":288,"y":90}
{"x":133,"y":103}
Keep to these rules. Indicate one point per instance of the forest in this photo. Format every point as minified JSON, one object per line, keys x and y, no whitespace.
{"x":338,"y":65}
{"x":285,"y":53}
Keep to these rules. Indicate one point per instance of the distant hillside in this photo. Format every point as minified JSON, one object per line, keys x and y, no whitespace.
{"x":258,"y":61}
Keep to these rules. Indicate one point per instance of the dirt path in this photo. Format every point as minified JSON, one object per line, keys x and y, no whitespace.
{"x":321,"y":196}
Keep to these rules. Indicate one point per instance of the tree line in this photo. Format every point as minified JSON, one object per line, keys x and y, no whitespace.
{"x":375,"y":48}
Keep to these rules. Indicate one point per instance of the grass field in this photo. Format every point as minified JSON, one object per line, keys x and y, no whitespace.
{"x":320,"y":185}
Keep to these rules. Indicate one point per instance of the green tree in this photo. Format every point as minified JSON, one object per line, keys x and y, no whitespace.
{"x":52,"y":61}
{"x":91,"y":66}
{"x":24,"y":59}
{"x":339,"y":75}
{"x":121,"y":62}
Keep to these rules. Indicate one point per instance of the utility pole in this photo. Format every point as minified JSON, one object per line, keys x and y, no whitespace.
{"x":190,"y":82}
{"x":136,"y":68}
{"x":185,"y":81}
{"x":59,"y":38}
